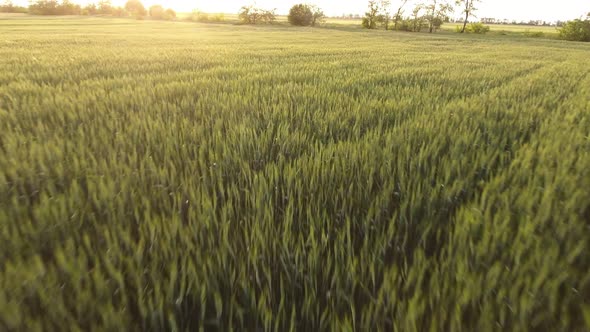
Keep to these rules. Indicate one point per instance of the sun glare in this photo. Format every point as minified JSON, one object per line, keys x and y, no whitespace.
{"x":508,"y":9}
{"x":223,"y":6}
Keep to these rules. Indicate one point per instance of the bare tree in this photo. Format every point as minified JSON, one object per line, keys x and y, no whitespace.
{"x":468,"y":9}
{"x":398,"y":14}
{"x":417,"y":20}
{"x":385,"y":13}
{"x":253,"y":15}
{"x":318,"y":16}
{"x":378,"y":13}
{"x":372,"y":16}
{"x":437,"y":12}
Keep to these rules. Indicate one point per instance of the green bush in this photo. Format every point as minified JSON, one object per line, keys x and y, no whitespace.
{"x":576,"y":30}
{"x":417,"y":24}
{"x":478,"y":28}
{"x":533,"y":34}
{"x":169,"y":14}
{"x":157,"y":12}
{"x":198,"y":16}
{"x":54,"y":7}
{"x":90,"y":9}
{"x":118,"y":12}
{"x":253,"y":15}
{"x":300,"y":15}
{"x":135,"y":8}
{"x":9,"y":7}
{"x":403,"y":25}
{"x":437,"y":22}
{"x":105,"y":7}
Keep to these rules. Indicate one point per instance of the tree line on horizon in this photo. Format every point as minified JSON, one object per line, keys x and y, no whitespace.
{"x":299,"y":15}
{"x":133,"y":8}
{"x":432,"y":14}
{"x":428,"y":14}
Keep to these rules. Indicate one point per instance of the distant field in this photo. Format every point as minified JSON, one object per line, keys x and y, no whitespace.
{"x":161,"y":176}
{"x":522,"y":28}
{"x":513,"y":30}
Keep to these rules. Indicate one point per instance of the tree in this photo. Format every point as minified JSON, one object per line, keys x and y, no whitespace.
{"x":378,"y":14}
{"x":119,"y":12}
{"x":169,"y":14}
{"x":157,"y":12}
{"x":300,"y":15}
{"x":399,"y":13}
{"x":576,"y":30}
{"x":247,"y":15}
{"x":135,"y":8}
{"x":199,"y":16}
{"x":90,"y":9}
{"x":318,"y":15}
{"x":305,"y":15}
{"x":468,"y":9}
{"x":438,"y":12}
{"x":53,"y":7}
{"x":478,"y":28}
{"x":9,"y":7}
{"x":69,"y":8}
{"x":104,"y":7}
{"x":385,"y":16}
{"x":417,"y":21}
{"x":372,"y":16}
{"x":44,"y":7}
{"x":268,"y":16}
{"x":252,"y":15}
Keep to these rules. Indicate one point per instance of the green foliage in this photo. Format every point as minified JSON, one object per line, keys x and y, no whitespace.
{"x":415,"y":23}
{"x":135,"y":8}
{"x":202,"y":17}
{"x":477,"y":27}
{"x":300,"y":15}
{"x":305,"y":15}
{"x":199,"y":16}
{"x":54,"y":7}
{"x":105,"y":7}
{"x":259,"y":179}
{"x":533,"y":34}
{"x":169,"y":14}
{"x":157,"y":12}
{"x":576,"y":30}
{"x":468,"y":9}
{"x":90,"y":9}
{"x":403,"y":25}
{"x":253,"y":15}
{"x":318,"y":15}
{"x":372,"y":17}
{"x":368,"y":23}
{"x":118,"y":12}
{"x":9,"y":7}
{"x":437,"y":11}
{"x":398,"y":15}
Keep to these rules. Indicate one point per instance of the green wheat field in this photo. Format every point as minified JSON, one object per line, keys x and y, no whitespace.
{"x":171,"y":176}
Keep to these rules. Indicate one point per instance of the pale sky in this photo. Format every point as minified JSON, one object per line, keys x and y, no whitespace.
{"x":510,"y":9}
